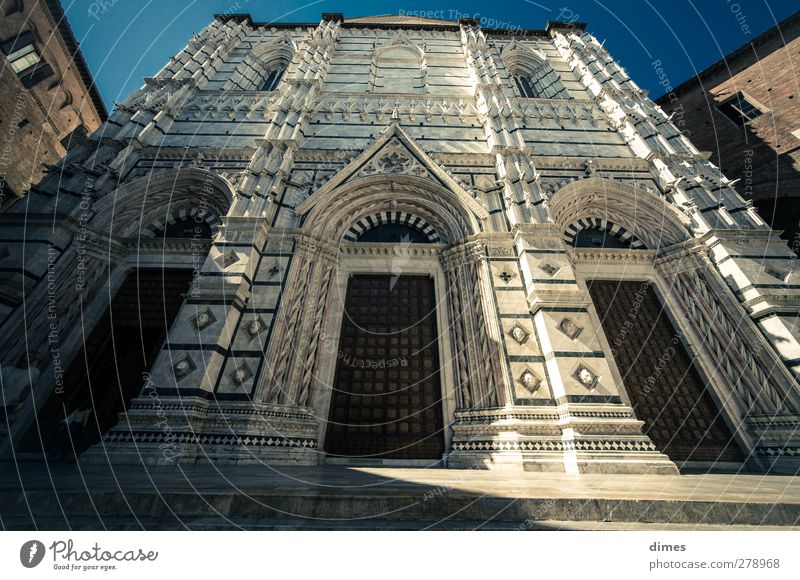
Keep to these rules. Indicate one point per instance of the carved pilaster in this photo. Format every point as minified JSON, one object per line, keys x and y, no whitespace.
{"x":470,"y":298}
{"x":286,"y":378}
{"x":760,"y":382}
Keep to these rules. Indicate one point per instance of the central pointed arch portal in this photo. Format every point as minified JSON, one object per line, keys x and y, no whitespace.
{"x":391,"y":356}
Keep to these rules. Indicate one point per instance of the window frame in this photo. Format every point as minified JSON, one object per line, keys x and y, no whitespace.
{"x":34,"y":72}
{"x":734,"y":104}
{"x":278,"y":73}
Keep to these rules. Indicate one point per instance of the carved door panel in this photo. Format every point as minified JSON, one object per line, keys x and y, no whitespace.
{"x":386,"y":400}
{"x":666,"y":391}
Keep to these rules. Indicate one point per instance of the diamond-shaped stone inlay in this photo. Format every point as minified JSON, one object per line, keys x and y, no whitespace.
{"x":241,"y":374}
{"x":183,"y":366}
{"x":227,"y":259}
{"x":519,"y":334}
{"x":255,"y":327}
{"x":585,"y":376}
{"x":568,"y":327}
{"x":549,"y":269}
{"x":506,"y":276}
{"x":530,"y":380}
{"x":204,"y":318}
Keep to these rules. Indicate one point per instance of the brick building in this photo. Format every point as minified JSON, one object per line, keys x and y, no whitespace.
{"x":744,"y":111}
{"x":48,"y":101}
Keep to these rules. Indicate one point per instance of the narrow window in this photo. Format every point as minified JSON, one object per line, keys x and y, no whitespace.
{"x":524,"y":87}
{"x":739,"y":109}
{"x":25,"y":60}
{"x":272,"y":80}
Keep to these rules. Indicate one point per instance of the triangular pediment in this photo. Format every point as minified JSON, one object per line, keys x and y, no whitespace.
{"x":394,"y":153}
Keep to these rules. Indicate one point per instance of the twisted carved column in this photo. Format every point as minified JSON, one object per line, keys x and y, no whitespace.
{"x":759,"y":381}
{"x":477,"y":360}
{"x":291,"y":359}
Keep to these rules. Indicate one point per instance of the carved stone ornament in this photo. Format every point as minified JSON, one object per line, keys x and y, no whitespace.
{"x":227,"y":259}
{"x":255,"y":327}
{"x":506,"y":276}
{"x":393,"y":162}
{"x":519,"y":334}
{"x":530,"y":381}
{"x":586,"y":377}
{"x":568,"y":327}
{"x":394,"y":159}
{"x":183,"y":366}
{"x":204,"y":318}
{"x":549,"y":269}
{"x":241,"y":374}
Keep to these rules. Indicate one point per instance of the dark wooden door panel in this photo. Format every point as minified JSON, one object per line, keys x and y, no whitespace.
{"x":665,"y":390}
{"x":386,"y":400}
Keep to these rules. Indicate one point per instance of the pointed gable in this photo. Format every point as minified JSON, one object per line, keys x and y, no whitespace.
{"x":395,"y":153}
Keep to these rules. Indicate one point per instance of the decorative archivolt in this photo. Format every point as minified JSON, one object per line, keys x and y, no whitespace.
{"x":533,"y":75}
{"x":355,"y":203}
{"x":404,"y":218}
{"x":195,"y":215}
{"x":263,"y":62}
{"x":573,"y":230}
{"x":643,"y":213}
{"x":142,"y":206}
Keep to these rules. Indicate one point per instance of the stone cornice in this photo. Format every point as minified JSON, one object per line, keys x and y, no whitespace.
{"x":371,"y":250}
{"x":165,"y":245}
{"x":190,"y":153}
{"x":579,"y":163}
{"x":395,"y":97}
{"x":609,"y":256}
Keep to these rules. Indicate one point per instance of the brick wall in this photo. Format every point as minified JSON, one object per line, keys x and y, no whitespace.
{"x":764,"y":153}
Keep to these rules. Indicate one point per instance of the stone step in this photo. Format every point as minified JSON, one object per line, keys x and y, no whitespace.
{"x":354,"y":510}
{"x":86,"y":523}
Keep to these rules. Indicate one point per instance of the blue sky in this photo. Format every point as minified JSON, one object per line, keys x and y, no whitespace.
{"x":125,"y":40}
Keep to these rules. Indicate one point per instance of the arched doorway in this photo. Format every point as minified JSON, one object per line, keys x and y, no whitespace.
{"x":162,"y":221}
{"x":614,"y":229}
{"x":665,"y":389}
{"x":109,"y":370}
{"x":386,"y":400}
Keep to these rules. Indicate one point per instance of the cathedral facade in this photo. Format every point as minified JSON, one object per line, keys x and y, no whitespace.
{"x":403,"y":241}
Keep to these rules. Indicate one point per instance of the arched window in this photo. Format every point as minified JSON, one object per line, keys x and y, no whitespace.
{"x":263,"y":68}
{"x":273,"y":79}
{"x":597,"y":233}
{"x":599,"y":238}
{"x":524,"y":86}
{"x":533,"y":76}
{"x":394,"y":234}
{"x":539,"y":82}
{"x":398,"y":69}
{"x":392,"y":227}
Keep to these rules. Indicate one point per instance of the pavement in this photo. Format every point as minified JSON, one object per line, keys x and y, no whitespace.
{"x":63,"y":496}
